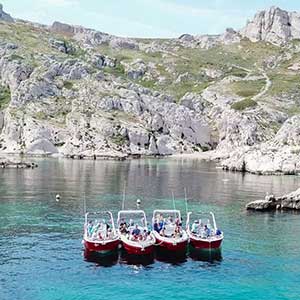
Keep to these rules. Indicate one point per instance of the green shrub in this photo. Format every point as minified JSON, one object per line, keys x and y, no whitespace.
{"x":68,"y":85}
{"x":5,"y":97}
{"x":40,"y":115}
{"x":15,"y":57}
{"x":119,"y":140}
{"x":243,"y":104}
{"x":150,"y":84}
{"x":247,"y":88}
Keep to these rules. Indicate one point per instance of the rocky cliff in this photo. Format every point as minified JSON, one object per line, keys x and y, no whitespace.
{"x":273,"y":25}
{"x":73,"y":91}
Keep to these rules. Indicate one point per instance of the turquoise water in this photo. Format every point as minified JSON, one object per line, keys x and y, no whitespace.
{"x":40,"y":239}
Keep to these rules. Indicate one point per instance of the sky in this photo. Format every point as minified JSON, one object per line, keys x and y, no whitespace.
{"x":145,"y":18}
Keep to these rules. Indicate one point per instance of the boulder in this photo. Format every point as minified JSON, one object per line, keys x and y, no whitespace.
{"x":123,"y":43}
{"x":62,"y":28}
{"x":62,"y":46}
{"x":288,"y":201}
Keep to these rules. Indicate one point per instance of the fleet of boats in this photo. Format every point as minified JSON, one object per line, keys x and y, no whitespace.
{"x":137,"y":237}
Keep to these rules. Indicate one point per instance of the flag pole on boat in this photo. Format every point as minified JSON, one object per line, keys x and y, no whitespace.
{"x":185,"y":199}
{"x":84,"y":204}
{"x":124,"y":195}
{"x":174,"y":206}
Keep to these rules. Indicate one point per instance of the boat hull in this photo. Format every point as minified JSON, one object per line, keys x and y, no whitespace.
{"x":136,"y":250}
{"x":205,"y":243}
{"x":101,"y":247}
{"x":171,"y":246}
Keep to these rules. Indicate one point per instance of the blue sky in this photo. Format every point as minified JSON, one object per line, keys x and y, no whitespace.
{"x":145,"y":18}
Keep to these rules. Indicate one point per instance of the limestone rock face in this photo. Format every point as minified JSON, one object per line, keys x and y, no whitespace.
{"x":63,"y":28}
{"x":1,"y":120}
{"x":78,"y":92}
{"x":136,"y":69}
{"x":12,"y":73}
{"x":91,"y":38}
{"x":4,"y":16}
{"x":230,"y":36}
{"x":61,"y":46}
{"x":41,"y":146}
{"x":279,"y":155}
{"x":274,"y":25}
{"x":236,"y":130}
{"x":289,"y":133}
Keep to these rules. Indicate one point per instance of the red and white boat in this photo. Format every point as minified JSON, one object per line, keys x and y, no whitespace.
{"x":203,"y":232}
{"x":133,"y":232}
{"x":169,"y":235}
{"x":100,"y":235}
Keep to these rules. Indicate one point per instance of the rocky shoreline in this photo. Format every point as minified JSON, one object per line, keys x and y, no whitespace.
{"x":289,"y":201}
{"x":9,"y":164}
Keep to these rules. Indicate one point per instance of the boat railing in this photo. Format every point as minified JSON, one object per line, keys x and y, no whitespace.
{"x":123,"y":213}
{"x":156,"y":212}
{"x":100,"y":214}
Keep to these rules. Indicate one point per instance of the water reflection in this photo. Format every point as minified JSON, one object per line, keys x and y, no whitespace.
{"x":101,"y":260}
{"x":37,"y":232}
{"x":174,"y":258}
{"x":136,"y":260}
{"x":212,"y":255}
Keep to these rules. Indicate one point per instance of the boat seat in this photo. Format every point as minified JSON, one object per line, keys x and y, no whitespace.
{"x":169,"y":230}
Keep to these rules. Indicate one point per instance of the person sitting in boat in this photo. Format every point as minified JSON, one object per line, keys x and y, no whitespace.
{"x":162,"y":232}
{"x":136,"y":232}
{"x":145,"y":235}
{"x":95,"y":230}
{"x":195,"y":227}
{"x":218,"y":232}
{"x":161,"y":223}
{"x":207,"y":230}
{"x":131,"y":225}
{"x":106,"y":225}
{"x":149,"y":227}
{"x":123,"y":227}
{"x":156,"y":226}
{"x":123,"y":222}
{"x":90,"y":228}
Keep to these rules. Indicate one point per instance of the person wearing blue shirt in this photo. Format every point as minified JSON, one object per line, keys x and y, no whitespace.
{"x":156,"y":227}
{"x":207,"y":230}
{"x":136,"y":231}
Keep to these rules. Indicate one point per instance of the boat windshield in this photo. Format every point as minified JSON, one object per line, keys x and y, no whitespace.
{"x":167,"y":223}
{"x":202,"y":224}
{"x":133,"y":225}
{"x":99,"y":226}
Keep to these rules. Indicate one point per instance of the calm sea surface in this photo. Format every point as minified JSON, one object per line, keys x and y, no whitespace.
{"x":41,"y":255}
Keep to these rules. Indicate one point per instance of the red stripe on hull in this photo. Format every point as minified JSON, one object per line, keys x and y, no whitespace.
{"x":169,"y":246}
{"x":98,"y":247}
{"x":138,"y":250}
{"x":205,"y":244}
